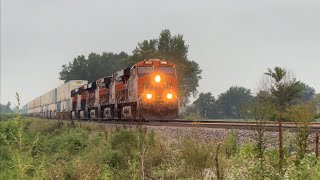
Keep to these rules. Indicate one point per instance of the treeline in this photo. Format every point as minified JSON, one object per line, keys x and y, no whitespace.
{"x":239,"y":102}
{"x":6,"y":108}
{"x":167,"y":46}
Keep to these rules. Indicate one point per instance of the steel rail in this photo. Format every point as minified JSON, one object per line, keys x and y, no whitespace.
{"x":249,"y":125}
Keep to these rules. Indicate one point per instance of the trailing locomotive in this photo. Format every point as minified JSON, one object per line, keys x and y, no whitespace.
{"x":147,"y":90}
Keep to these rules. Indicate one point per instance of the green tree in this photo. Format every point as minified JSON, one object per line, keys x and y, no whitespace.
{"x":302,"y":115}
{"x":6,"y":108}
{"x":317,"y":100}
{"x":235,"y":100}
{"x":307,"y":92}
{"x":172,"y":48}
{"x":261,"y":110}
{"x":205,"y":104}
{"x":94,"y":67}
{"x":284,"y":91}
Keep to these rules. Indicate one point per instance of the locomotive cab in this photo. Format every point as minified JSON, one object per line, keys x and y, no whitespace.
{"x":157,"y":90}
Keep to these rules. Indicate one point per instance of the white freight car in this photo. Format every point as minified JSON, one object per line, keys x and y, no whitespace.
{"x":63,"y":91}
{"x":55,"y":103}
{"x":64,"y":97}
{"x":47,"y":100}
{"x":49,"y":97}
{"x":37,"y":102}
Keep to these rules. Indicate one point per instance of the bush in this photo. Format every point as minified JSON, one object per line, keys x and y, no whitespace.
{"x":6,"y":116}
{"x":230,"y":144}
{"x":123,"y":155}
{"x":42,"y":126}
{"x":308,"y":168}
{"x":21,"y":153}
{"x":197,"y":157}
{"x":73,"y":141}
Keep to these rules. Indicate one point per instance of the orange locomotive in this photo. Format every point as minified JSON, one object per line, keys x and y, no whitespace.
{"x":147,"y":90}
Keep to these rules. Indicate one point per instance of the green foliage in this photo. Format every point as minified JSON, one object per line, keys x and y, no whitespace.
{"x":317,"y":101}
{"x":308,"y":168}
{"x":197,"y":157}
{"x":94,"y":67}
{"x":285,"y":91}
{"x":262,"y":110}
{"x":307,"y":92}
{"x":205,"y":105}
{"x":230,"y":144}
{"x":232,"y":104}
{"x":20,"y":153}
{"x":6,"y":112}
{"x":302,"y":115}
{"x":247,"y":150}
{"x":129,"y":155}
{"x":235,"y":100}
{"x":47,"y":127}
{"x":73,"y":141}
{"x":6,"y":116}
{"x":5,"y":109}
{"x":124,"y":146}
{"x":38,"y":149}
{"x":190,"y":113}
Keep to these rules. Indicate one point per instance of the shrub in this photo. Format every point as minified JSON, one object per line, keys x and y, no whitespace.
{"x":6,"y":116}
{"x":197,"y":157}
{"x":42,"y":126}
{"x":308,"y":168}
{"x":123,"y":154}
{"x":230,"y":144}
{"x":21,"y":154}
{"x":73,"y":142}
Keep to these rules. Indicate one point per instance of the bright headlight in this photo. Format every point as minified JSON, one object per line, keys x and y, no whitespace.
{"x":169,"y":96}
{"x":157,"y":78}
{"x":149,"y":96}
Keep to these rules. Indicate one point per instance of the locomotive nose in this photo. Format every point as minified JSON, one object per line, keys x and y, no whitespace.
{"x":160,"y":107}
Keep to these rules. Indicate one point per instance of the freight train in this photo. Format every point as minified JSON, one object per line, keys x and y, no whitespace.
{"x":147,"y":90}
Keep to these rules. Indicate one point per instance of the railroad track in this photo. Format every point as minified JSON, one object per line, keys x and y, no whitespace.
{"x":250,"y":125}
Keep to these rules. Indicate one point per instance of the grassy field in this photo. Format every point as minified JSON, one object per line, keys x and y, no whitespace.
{"x":43,"y":149}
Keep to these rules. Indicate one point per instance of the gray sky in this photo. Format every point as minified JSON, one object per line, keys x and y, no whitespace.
{"x":233,"y":41}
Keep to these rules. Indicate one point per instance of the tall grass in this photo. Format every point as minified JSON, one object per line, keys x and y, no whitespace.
{"x":43,"y":149}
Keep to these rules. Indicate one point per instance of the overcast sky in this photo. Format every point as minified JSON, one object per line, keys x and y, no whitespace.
{"x":234,"y":41}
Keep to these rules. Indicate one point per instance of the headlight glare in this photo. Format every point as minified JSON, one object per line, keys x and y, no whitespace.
{"x":149,"y":96}
{"x":157,"y":78}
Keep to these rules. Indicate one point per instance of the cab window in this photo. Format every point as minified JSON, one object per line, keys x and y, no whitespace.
{"x":142,"y":71}
{"x":167,"y":70}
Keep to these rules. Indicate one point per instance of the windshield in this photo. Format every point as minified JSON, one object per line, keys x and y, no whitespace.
{"x":167,"y":70}
{"x":142,"y":71}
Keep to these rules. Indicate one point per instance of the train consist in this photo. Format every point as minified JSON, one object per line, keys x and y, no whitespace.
{"x":147,"y":90}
